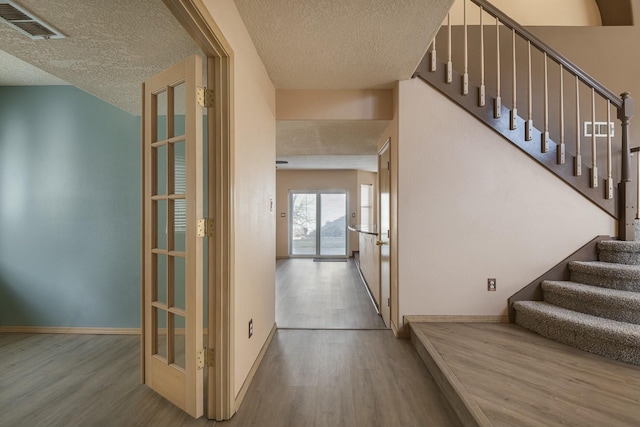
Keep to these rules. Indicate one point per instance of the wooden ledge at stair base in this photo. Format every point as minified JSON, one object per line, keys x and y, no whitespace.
{"x":404,"y":331}
{"x":520,"y":378}
{"x":462,"y":402}
{"x":456,"y":319}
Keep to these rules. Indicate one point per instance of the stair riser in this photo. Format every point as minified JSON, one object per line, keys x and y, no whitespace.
{"x":622,"y":311}
{"x":629,"y":258}
{"x":605,"y":282}
{"x":579,"y":337}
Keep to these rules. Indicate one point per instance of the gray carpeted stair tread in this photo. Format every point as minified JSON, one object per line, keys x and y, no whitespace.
{"x":619,"y":246}
{"x":606,"y":275}
{"x":621,"y":252}
{"x":609,"y":338}
{"x":623,"y":306}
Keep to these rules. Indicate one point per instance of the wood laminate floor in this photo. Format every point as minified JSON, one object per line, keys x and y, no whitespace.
{"x":307,"y":378}
{"x":342,"y":379}
{"x":519,"y":378}
{"x":338,"y":378}
{"x":79,"y":380}
{"x":322,"y":295}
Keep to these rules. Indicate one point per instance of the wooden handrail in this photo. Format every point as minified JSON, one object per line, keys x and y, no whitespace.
{"x":625,"y":195}
{"x":551,"y":53}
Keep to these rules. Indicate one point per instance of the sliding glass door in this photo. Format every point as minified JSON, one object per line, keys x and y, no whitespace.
{"x":318,"y":225}
{"x":303,"y":225}
{"x":333,"y":223}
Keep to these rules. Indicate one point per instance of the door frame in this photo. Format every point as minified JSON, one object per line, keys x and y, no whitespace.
{"x":195,"y":18}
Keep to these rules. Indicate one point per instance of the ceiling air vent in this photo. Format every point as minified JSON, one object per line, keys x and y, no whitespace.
{"x":25,"y":22}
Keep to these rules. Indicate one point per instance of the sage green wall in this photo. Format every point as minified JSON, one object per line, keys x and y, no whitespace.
{"x":69,"y":210}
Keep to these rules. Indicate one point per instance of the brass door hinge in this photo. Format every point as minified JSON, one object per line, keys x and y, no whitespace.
{"x":206,"y":227}
{"x":205,"y":97}
{"x":206,"y":357}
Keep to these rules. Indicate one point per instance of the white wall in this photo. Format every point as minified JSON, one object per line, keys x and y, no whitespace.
{"x":254,"y":129}
{"x":473,"y":206}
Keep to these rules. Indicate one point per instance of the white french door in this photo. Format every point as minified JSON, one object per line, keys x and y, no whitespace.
{"x":318,"y":223}
{"x":173,"y":254}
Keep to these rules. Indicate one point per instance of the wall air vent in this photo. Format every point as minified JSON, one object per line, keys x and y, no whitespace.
{"x":25,"y":22}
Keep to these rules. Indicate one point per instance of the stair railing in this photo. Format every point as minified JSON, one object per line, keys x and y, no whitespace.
{"x":601,"y":99}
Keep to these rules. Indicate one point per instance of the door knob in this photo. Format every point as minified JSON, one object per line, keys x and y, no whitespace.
{"x":380,"y":243}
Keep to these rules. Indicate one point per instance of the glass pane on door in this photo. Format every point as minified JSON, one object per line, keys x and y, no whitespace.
{"x":303,"y":223}
{"x":160,"y":294}
{"x":179,"y":273}
{"x":161,"y":118}
{"x":333,"y":224}
{"x":178,"y":348}
{"x":179,"y":97}
{"x":160,"y":330}
{"x":161,"y":169}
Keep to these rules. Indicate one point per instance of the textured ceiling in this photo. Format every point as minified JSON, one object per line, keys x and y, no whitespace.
{"x":15,"y":72}
{"x":328,"y":137}
{"x":338,"y":44}
{"x":111,"y":46}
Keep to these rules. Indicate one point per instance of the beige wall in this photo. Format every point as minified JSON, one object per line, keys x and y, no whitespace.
{"x":609,"y":54}
{"x":472,"y":206}
{"x":364,"y":104}
{"x":254,"y":129}
{"x":535,"y":12}
{"x":313,"y":180}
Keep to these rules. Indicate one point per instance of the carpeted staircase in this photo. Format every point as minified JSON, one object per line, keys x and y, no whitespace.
{"x":598,"y":310}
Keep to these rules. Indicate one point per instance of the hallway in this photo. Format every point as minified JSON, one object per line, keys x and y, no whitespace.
{"x":342,"y":379}
{"x":334,"y":363}
{"x":322,"y":295}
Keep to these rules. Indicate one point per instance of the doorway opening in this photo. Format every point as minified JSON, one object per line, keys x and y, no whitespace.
{"x":318,"y":281}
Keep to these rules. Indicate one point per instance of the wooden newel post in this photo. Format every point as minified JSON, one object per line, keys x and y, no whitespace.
{"x":626,"y":189}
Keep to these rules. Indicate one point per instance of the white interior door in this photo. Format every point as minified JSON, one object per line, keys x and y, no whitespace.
{"x":173,"y":254}
{"x":384,"y":228}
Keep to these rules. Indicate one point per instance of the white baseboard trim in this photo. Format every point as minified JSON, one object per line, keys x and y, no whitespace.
{"x":254,"y":368}
{"x":68,"y":330}
{"x":456,"y":318}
